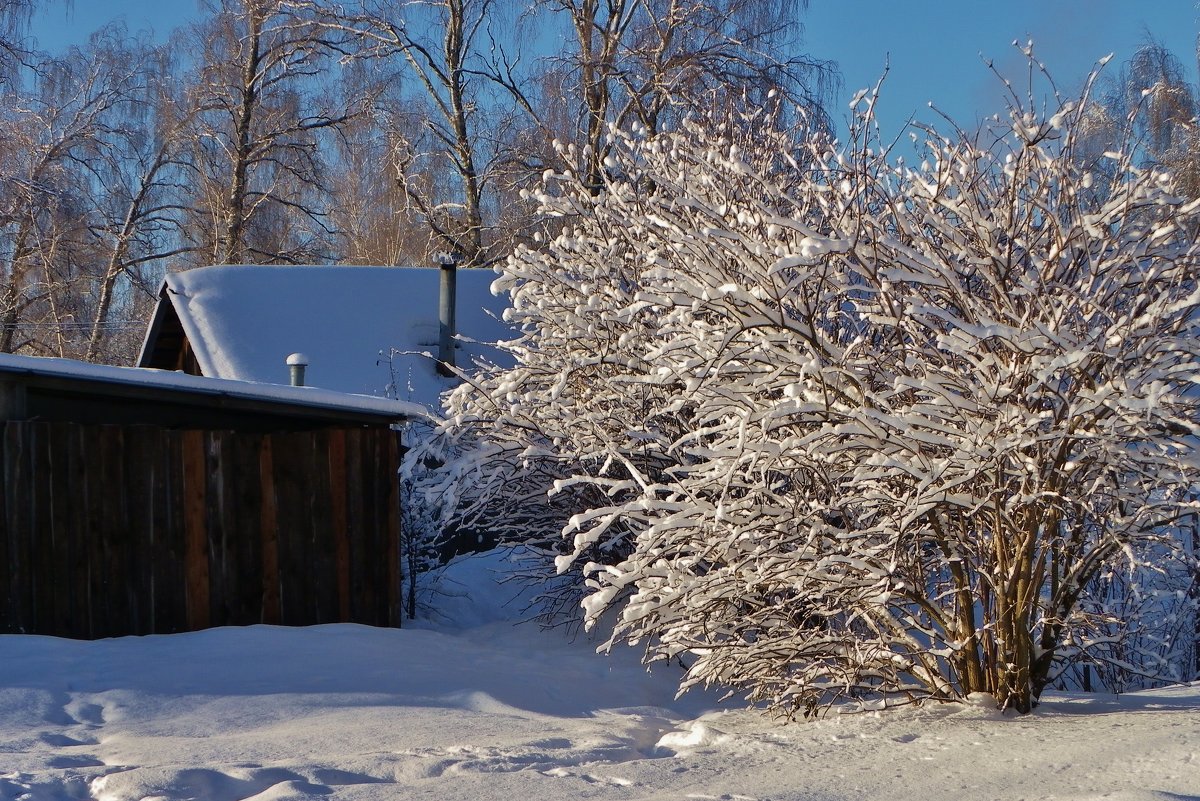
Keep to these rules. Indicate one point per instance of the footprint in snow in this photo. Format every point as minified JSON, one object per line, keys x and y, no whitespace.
{"x":552,"y":743}
{"x":610,"y":781}
{"x":63,"y":741}
{"x":86,"y":713}
{"x":80,"y":761}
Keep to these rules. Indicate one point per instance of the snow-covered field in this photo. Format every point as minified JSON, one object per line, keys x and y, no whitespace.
{"x":475,"y":708}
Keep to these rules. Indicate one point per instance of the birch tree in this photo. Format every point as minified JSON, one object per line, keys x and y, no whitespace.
{"x":447,"y":163}
{"x":653,"y":61}
{"x":15,"y":50}
{"x":375,"y":221}
{"x":260,"y":114}
{"x":51,"y":134}
{"x":1151,"y":102}
{"x":139,"y":177}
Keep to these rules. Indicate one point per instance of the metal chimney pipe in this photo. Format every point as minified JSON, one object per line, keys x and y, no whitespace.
{"x":447,"y":301}
{"x":296,"y":364}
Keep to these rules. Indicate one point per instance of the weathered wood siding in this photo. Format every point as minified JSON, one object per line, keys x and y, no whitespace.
{"x":115,"y":530}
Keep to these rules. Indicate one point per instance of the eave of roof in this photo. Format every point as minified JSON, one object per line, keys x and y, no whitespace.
{"x":65,"y":376}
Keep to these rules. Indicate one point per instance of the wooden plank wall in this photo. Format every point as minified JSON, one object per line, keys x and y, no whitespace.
{"x":114,"y":530}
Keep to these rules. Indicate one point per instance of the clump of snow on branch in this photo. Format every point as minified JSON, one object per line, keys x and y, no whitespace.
{"x":825,"y":427}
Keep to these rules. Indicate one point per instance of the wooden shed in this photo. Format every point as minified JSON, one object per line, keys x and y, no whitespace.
{"x":139,"y":501}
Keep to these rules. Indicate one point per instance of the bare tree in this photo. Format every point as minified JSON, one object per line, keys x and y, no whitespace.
{"x":490,"y":108}
{"x":260,"y":115}
{"x":375,"y":221}
{"x":139,"y":178}
{"x":644,"y":61}
{"x":49,"y":140}
{"x":15,"y":50}
{"x":443,"y":44}
{"x":1153,"y":103}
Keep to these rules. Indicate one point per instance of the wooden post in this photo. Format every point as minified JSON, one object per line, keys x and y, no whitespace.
{"x":341,"y":536}
{"x":389,"y":468}
{"x":17,"y":482}
{"x":195,"y":531}
{"x":9,"y":622}
{"x":270,"y":534}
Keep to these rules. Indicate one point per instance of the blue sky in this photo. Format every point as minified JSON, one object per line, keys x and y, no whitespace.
{"x":59,"y":24}
{"x":933,"y":46}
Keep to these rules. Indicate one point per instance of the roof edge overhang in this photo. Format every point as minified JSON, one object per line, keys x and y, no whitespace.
{"x":152,"y":331}
{"x":69,"y":381}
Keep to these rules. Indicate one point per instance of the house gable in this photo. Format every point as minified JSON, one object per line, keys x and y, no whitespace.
{"x":166,"y":346}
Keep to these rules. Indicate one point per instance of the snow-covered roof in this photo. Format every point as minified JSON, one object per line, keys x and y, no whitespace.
{"x":86,"y":378}
{"x":365,"y":330}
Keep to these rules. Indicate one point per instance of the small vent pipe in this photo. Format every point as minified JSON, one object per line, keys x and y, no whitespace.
{"x":296,"y":364}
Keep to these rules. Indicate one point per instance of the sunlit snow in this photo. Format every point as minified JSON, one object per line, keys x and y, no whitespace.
{"x":473,"y":707}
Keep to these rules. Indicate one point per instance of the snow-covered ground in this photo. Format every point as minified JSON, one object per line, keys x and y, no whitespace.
{"x":475,"y":708}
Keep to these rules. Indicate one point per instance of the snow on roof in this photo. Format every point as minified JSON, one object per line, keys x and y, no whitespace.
{"x":313,"y":397}
{"x":366,"y":330}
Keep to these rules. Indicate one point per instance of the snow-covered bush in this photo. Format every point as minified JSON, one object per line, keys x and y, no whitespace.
{"x":824,"y":426}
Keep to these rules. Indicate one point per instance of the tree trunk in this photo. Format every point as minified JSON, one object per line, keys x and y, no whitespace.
{"x":231,"y":247}
{"x":470,"y":237}
{"x":10,"y":297}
